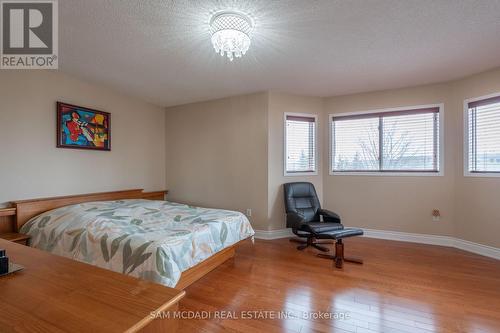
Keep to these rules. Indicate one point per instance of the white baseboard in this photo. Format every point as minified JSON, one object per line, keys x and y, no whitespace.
{"x":410,"y":237}
{"x":484,"y":250}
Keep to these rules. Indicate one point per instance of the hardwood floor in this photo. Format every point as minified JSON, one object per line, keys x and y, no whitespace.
{"x":402,"y":287}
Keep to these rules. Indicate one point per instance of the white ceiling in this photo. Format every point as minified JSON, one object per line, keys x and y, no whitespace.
{"x":160,"y":50}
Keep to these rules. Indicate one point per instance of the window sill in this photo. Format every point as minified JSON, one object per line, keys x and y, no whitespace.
{"x":482,"y":174}
{"x":301,"y":174}
{"x":388,"y":174}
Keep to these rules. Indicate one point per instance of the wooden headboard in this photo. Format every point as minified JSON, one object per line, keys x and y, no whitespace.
{"x":27,"y":209}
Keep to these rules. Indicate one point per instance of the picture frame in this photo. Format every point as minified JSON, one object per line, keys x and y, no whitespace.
{"x":83,"y":128}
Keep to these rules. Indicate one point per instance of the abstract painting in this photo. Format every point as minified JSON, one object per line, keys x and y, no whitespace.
{"x":82,"y":128}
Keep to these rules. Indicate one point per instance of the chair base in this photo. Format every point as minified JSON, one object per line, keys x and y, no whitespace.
{"x":310,"y":241}
{"x":339,"y":258}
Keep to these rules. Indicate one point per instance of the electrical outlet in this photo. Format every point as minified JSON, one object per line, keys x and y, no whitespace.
{"x":248,"y":212}
{"x":436,"y":215}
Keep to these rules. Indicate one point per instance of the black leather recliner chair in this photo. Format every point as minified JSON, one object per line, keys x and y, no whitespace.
{"x":305,"y":216}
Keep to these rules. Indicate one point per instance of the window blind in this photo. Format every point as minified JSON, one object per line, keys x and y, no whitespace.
{"x":300,"y":144}
{"x":484,"y":135}
{"x":398,"y":141}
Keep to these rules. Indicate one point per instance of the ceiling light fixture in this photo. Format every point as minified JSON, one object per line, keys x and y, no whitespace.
{"x":231,"y":33}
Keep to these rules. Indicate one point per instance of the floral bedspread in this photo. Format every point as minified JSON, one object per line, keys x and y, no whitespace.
{"x":153,"y":240}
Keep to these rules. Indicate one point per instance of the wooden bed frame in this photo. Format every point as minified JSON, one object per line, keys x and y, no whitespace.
{"x":22,"y":211}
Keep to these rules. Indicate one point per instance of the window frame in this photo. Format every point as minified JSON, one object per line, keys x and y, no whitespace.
{"x":389,"y":173}
{"x":286,"y":173}
{"x":467,"y":173}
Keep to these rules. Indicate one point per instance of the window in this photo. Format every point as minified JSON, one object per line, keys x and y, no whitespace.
{"x":483,"y":136}
{"x":300,"y":144}
{"x":395,"y":141}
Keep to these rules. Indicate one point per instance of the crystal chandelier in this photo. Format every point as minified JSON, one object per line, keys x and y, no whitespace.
{"x":230,"y":33}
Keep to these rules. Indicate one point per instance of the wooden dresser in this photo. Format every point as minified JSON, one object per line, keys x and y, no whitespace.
{"x":56,"y":294}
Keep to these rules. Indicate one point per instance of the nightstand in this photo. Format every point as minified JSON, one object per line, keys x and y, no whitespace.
{"x":16,"y":238}
{"x":7,"y":227}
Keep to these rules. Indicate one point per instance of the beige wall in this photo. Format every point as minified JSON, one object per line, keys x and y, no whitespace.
{"x":469,"y":205}
{"x":31,"y":165}
{"x":217,"y":154}
{"x":228,"y":153}
{"x":477,"y":213}
{"x":280,"y":103}
{"x":208,"y":145}
{"x":394,"y":202}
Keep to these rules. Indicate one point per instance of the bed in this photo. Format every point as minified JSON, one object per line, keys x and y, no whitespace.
{"x":165,"y":242}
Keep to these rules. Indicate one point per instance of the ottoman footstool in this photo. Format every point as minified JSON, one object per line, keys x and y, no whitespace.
{"x":337,"y":236}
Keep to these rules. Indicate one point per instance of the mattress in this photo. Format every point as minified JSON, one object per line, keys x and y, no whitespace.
{"x":152,"y":240}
